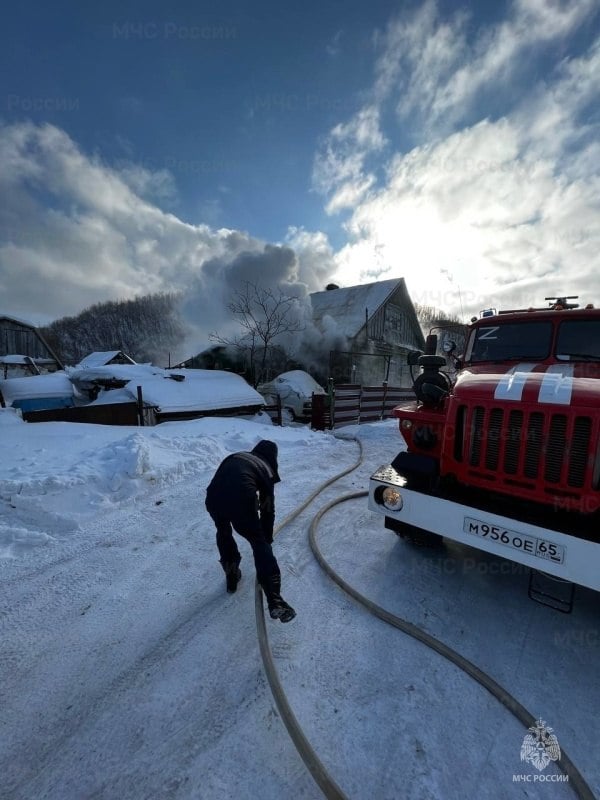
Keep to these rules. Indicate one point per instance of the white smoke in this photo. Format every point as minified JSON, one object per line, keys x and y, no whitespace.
{"x":75,"y":231}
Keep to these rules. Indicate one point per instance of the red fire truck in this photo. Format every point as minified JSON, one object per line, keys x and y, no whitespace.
{"x":505,"y":456}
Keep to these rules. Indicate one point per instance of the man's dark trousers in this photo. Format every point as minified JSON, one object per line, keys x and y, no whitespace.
{"x":264,"y":560}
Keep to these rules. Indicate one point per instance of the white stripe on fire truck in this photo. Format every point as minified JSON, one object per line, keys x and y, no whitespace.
{"x":511,"y":385}
{"x":557,"y":385}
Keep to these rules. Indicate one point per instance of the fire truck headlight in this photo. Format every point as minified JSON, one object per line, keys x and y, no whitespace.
{"x":391,"y":498}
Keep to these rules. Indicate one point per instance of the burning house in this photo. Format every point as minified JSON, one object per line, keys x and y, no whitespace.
{"x":377,"y":323}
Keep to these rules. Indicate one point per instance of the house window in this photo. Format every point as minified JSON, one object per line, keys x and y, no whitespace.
{"x":395,"y":324}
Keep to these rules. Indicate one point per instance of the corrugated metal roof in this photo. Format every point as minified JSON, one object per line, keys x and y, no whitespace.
{"x":347,"y":305}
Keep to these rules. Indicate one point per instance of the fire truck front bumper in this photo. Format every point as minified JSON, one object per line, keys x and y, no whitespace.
{"x":540,"y":548}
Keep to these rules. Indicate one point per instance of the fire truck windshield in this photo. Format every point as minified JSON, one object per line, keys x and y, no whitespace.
{"x":579,"y":340}
{"x":516,"y":341}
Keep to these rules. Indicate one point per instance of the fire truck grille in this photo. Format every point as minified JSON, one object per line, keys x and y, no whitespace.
{"x":529,"y":446}
{"x":513,"y":442}
{"x":492,"y":451}
{"x":582,"y":431}
{"x":533,"y":444}
{"x":477,"y":434}
{"x":555,"y":451}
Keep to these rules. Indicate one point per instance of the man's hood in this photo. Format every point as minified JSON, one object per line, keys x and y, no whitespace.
{"x":267,"y":450}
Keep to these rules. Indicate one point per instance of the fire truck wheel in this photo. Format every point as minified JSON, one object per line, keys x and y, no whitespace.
{"x":419,"y":537}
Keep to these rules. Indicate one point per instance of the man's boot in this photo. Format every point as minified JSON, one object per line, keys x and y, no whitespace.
{"x":278,"y":608}
{"x":233,"y":575}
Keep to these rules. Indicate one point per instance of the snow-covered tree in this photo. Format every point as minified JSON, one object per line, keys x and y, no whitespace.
{"x":146,"y":328}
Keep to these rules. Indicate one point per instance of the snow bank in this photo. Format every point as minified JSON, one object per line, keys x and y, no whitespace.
{"x":10,"y":416}
{"x":60,"y":472}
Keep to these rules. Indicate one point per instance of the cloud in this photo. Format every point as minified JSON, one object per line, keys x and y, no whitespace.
{"x":74,"y":232}
{"x":342,"y":163}
{"x":156,"y":185}
{"x":437,"y":68}
{"x":492,"y":214}
{"x":479,"y":170}
{"x":476,"y":151}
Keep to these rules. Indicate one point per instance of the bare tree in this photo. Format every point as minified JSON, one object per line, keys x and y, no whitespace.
{"x":446,"y":326}
{"x":264,"y":316}
{"x":430,"y":316}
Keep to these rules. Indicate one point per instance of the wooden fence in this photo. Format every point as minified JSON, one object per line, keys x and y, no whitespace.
{"x":351,"y":404}
{"x":107,"y":414}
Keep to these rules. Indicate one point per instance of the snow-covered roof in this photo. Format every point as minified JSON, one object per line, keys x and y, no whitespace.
{"x":112,"y":397}
{"x":202,"y":390}
{"x":119,"y":372}
{"x":16,"y":359}
{"x":190,"y":390}
{"x":102,"y":358}
{"x":20,"y":360}
{"x":55,"y":384}
{"x":347,"y":306}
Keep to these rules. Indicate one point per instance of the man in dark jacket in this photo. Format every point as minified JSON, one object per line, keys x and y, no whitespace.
{"x":241,"y":495}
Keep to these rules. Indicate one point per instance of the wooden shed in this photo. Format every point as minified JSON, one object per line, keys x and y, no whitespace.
{"x":21,"y":338}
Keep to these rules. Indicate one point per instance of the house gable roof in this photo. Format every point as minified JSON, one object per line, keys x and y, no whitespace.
{"x":103,"y":358}
{"x":18,"y":321}
{"x":349,"y":306}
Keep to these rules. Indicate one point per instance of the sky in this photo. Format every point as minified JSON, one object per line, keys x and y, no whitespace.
{"x":187,"y":147}
{"x":127,"y":671}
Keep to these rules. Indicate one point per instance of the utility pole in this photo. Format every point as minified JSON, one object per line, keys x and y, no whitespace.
{"x":450,"y":277}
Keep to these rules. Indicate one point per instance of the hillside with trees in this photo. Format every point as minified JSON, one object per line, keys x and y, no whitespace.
{"x":147,"y":328}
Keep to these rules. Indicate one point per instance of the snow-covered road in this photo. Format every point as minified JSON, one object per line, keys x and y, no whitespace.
{"x":127,"y":672}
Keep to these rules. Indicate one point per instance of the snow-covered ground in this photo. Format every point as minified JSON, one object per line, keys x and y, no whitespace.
{"x":127,"y":672}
